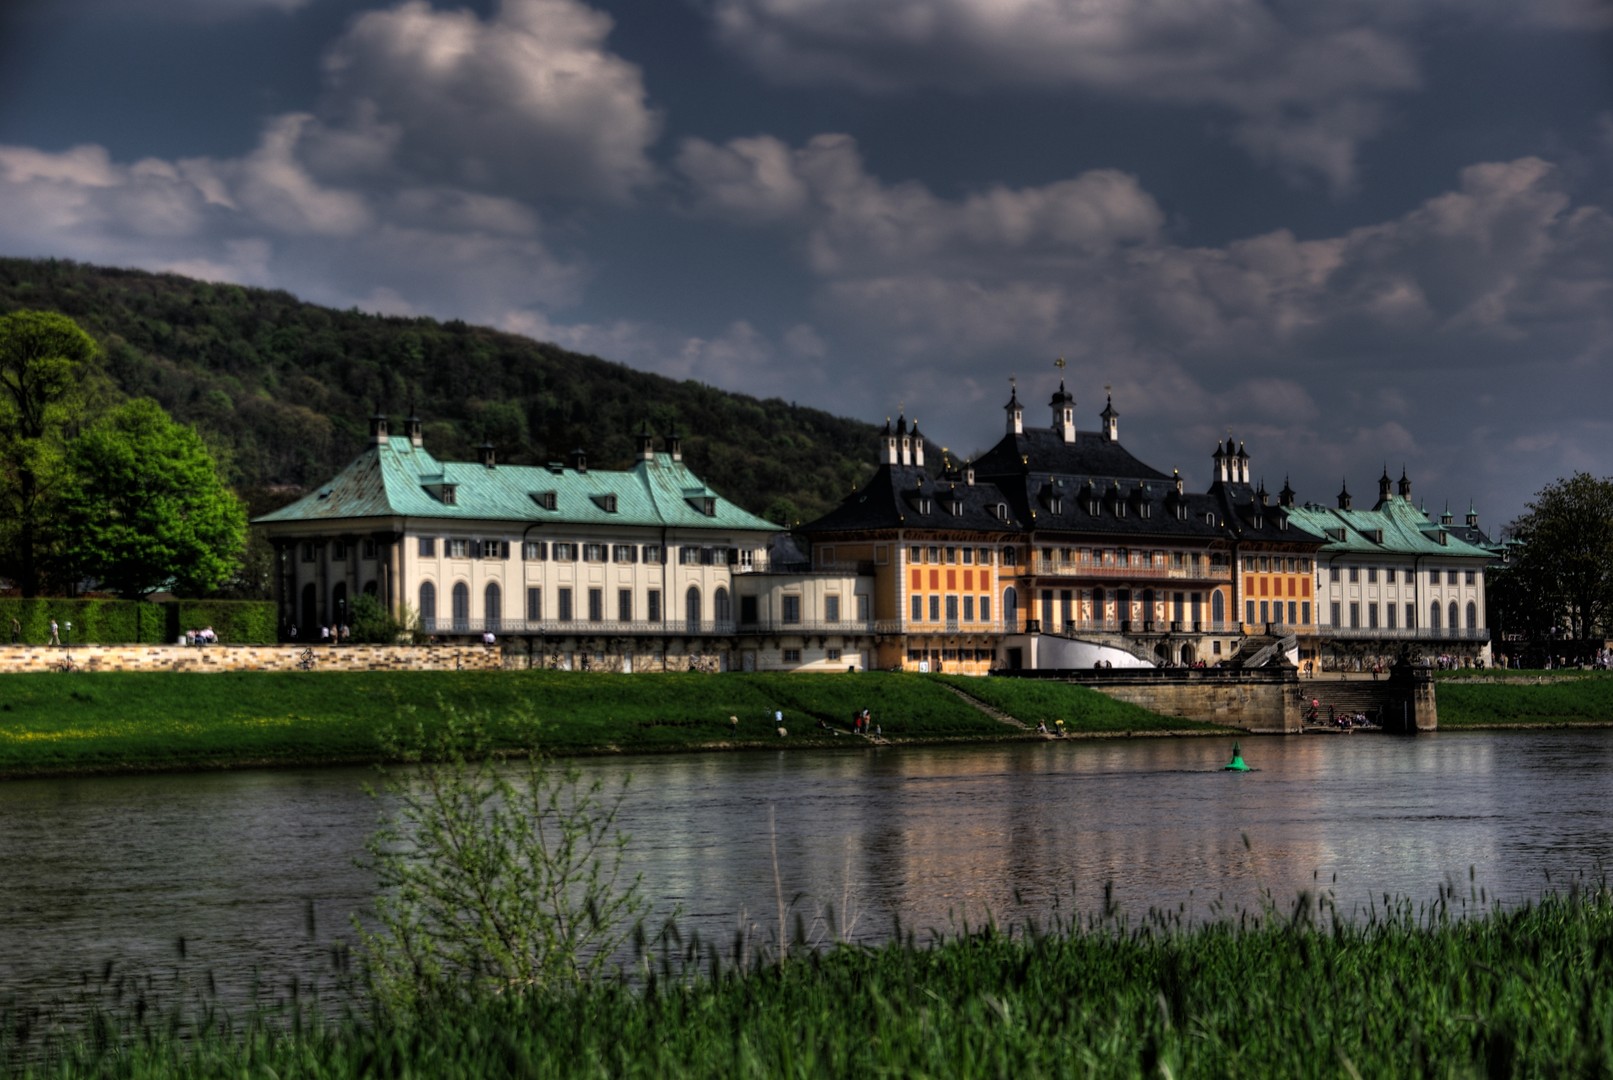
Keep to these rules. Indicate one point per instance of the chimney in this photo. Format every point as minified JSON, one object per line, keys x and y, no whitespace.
{"x":378,"y":431}
{"x":646,"y":444}
{"x":674,"y":445}
{"x":918,"y":446}
{"x":411,"y":428}
{"x":579,"y":460}
{"x":486,"y":456}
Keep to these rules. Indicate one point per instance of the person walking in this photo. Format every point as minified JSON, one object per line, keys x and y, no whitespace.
{"x":16,"y":630}
{"x":55,"y":638}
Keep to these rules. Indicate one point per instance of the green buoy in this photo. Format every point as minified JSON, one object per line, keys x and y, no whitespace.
{"x":1237,"y":763}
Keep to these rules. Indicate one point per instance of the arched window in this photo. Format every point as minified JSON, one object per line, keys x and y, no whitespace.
{"x":461,"y":607}
{"x":372,"y":588}
{"x":492,"y":606}
{"x":428,"y":606}
{"x":1454,"y":622}
{"x":691,"y":609}
{"x":1433,"y":615}
{"x":1472,"y":615}
{"x":1010,"y":609}
{"x":722,"y":608}
{"x":1218,"y":607}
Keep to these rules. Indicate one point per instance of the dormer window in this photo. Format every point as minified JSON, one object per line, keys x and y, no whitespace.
{"x":1002,"y":511}
{"x":957,"y":507}
{"x":705,"y":504}
{"x":1055,"y":505}
{"x":606,"y":503}
{"x":447,"y":494}
{"x":547,"y":500}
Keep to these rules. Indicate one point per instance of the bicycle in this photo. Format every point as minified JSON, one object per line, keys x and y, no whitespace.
{"x":65,"y":664}
{"x":305,"y":661}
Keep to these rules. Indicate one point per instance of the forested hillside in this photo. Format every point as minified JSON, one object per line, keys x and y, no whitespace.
{"x":286,"y":389}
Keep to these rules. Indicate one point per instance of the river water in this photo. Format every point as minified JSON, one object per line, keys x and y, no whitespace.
{"x":256,"y":871}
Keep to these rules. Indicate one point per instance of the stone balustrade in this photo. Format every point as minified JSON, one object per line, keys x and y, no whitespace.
{"x":22,"y":658}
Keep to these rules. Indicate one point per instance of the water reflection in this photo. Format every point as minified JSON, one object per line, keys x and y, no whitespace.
{"x":236,"y":863}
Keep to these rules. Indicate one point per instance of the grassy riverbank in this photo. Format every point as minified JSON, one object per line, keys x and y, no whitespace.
{"x":63,"y":723}
{"x":1505,"y":699}
{"x":1406,"y":993}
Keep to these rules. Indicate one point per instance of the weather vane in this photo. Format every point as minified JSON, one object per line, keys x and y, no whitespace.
{"x":1059,"y":363}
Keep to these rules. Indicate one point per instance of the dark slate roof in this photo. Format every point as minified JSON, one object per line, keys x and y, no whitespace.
{"x":1042,"y":450}
{"x":895,"y":496}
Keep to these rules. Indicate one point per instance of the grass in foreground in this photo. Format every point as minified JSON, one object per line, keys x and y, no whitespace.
{"x":1523,"y":993}
{"x":112,"y":721}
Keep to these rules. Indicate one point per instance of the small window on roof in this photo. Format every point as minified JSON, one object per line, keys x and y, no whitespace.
{"x":606,"y":503}
{"x":548,"y":500}
{"x":705,"y":504}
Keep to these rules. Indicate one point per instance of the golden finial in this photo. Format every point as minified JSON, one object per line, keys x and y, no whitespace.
{"x":1059,"y":363}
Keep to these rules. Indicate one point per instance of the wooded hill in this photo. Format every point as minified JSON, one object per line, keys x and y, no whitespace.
{"x":285,"y":389}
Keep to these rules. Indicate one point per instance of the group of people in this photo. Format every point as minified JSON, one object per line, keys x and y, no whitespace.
{"x":204,"y":636}
{"x":1058,"y":728}
{"x":862,"y":724}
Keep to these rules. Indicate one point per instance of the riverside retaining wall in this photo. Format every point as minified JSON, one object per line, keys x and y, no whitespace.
{"x":21,"y":658}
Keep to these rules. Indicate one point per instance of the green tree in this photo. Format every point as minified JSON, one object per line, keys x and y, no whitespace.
{"x":1562,"y":565}
{"x":43,"y":357}
{"x":144,"y":506}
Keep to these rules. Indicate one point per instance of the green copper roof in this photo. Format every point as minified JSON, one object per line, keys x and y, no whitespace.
{"x":1404,"y":530}
{"x":396,"y":478}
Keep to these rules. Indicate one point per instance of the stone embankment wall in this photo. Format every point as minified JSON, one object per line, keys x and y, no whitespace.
{"x":1263,"y":705}
{"x":20,"y":658}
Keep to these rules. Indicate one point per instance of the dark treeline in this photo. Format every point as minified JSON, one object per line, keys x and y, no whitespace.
{"x":285,"y":389}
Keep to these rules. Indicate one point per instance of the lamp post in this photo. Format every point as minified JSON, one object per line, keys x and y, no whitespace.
{"x":69,"y":633}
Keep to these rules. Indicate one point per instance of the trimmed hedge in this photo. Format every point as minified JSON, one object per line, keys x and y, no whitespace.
{"x":136,"y":622}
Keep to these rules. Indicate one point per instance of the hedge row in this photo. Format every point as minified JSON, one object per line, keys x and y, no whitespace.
{"x":126,"y":622}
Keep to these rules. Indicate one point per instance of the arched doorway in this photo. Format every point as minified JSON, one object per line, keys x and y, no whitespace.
{"x":691,"y":610}
{"x":310,"y":606}
{"x":722,"y":609}
{"x":461,"y":608}
{"x":428,"y":607}
{"x":493,"y":606}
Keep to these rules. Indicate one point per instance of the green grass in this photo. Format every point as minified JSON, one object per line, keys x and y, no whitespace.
{"x":1083,"y":710}
{"x":1402,"y":993}
{"x":1469,"y":699}
{"x":115,"y":721}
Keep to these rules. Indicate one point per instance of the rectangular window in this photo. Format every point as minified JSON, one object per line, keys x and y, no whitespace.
{"x":1355,"y":616}
{"x":916,"y":614}
{"x":596,"y":605}
{"x":688,"y":556}
{"x":1372,"y":575}
{"x":832,"y":654}
{"x":915,"y":554}
{"x":792,"y":609}
{"x":1249,"y":612}
{"x":428,"y":548}
{"x":831,"y":609}
{"x":792,"y":656}
{"x":983,"y":556}
{"x":1355,"y":574}
{"x":593,"y":553}
{"x":985,"y":609}
{"x":1292,"y":611}
{"x":952,"y":556}
{"x":367,"y":550}
{"x":652,"y":605}
{"x":1411,"y":617}
{"x":1389,"y":575}
{"x":1305,"y":612}
{"x":310,"y":550}
{"x":624,"y":605}
{"x":862,"y":608}
{"x":532,"y":550}
{"x":1450,"y":577}
{"x":1333,"y":574}
{"x":952,"y":609}
{"x":935,"y":609}
{"x":564,"y":614}
{"x":563,"y":552}
{"x":534,"y":605}
{"x":338,"y":550}
{"x":1472,"y":577}
{"x":968,"y":609}
{"x":650,"y":553}
{"x":1389,"y":616}
{"x":1372,"y":616}
{"x":623,"y":553}
{"x":1265,"y":611}
{"x":458,"y":549}
{"x":1335,"y":610}
{"x":968,"y":556}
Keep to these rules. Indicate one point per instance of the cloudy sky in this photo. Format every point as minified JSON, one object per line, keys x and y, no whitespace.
{"x":1353,"y":234}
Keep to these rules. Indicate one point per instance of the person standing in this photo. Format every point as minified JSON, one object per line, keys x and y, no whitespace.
{"x":16,"y":630}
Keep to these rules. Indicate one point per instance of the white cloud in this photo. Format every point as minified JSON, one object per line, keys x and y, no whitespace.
{"x":529,"y":102}
{"x":854,"y":221}
{"x":1304,"y":87}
